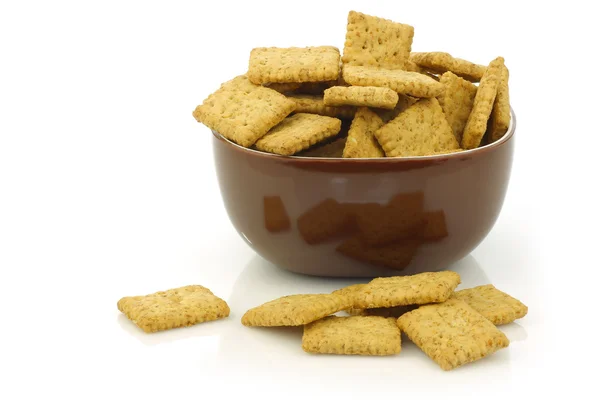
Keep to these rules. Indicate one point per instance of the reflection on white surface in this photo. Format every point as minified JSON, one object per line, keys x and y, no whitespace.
{"x":277,"y":352}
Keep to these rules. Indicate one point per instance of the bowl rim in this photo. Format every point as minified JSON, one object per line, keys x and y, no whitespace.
{"x":387,"y":160}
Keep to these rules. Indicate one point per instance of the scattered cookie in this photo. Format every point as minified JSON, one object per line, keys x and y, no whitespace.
{"x":173,"y":308}
{"x":420,"y":130}
{"x":361,"y":142}
{"x":298,"y":132}
{"x":457,"y":102}
{"x":375,"y":336}
{"x":374,"y":41}
{"x":440,"y":62}
{"x":314,"y":104}
{"x":452,"y":333}
{"x":368,"y":96}
{"x":495,"y":305}
{"x":423,"y":288}
{"x":405,"y":82}
{"x":242,"y":111}
{"x":500,"y":118}
{"x":276,"y":217}
{"x":293,"y":64}
{"x":294,"y":310}
{"x":482,"y":105}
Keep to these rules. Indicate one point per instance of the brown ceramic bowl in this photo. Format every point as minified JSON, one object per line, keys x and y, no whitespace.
{"x":364,"y":217}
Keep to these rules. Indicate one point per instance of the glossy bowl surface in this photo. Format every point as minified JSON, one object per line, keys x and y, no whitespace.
{"x":364,"y":217}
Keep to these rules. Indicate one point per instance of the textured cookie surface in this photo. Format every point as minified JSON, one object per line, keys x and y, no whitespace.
{"x":500,"y":118}
{"x":368,"y":96}
{"x":427,"y":287}
{"x":293,"y":64}
{"x":298,"y":132}
{"x":457,"y":102}
{"x":482,"y":105}
{"x":173,"y":308}
{"x":374,"y":41}
{"x":440,"y":62}
{"x":294,"y":310}
{"x":243,"y":112}
{"x":495,"y":305}
{"x":314,"y":104}
{"x":361,"y":142}
{"x":452,"y":333}
{"x":420,"y":130}
{"x":405,"y":82}
{"x":352,"y":335}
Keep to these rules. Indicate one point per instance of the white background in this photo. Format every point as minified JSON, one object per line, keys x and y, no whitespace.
{"x":107,"y":189}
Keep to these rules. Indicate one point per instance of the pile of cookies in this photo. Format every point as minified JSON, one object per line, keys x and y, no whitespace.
{"x":378,"y":99}
{"x":452,"y":327}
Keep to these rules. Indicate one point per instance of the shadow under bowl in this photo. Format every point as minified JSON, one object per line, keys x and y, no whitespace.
{"x":364,"y":217}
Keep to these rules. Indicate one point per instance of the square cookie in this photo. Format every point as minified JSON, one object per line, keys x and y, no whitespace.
{"x":452,"y":333}
{"x":295,"y":310}
{"x":294,"y":64}
{"x":493,"y":304}
{"x":375,"y":336}
{"x":174,"y":308}
{"x":423,"y":288}
{"x":242,"y":111}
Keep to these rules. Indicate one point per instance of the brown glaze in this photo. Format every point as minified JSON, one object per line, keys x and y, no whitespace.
{"x":364,"y":217}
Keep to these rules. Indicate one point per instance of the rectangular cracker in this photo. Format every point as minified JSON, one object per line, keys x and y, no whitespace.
{"x":243,"y":112}
{"x":374,"y":41}
{"x":405,"y":82}
{"x":394,"y":255}
{"x":452,"y":333}
{"x":367,"y":96}
{"x":401,"y":218}
{"x":324,"y":221}
{"x":440,"y":62}
{"x":420,"y":130}
{"x":314,"y":104}
{"x":457,"y":102}
{"x":276,"y":217}
{"x":294,"y":64}
{"x":173,"y":308}
{"x":423,"y":288}
{"x":435,"y":225}
{"x":495,"y":305}
{"x":375,"y":336}
{"x":500,"y":118}
{"x":482,"y":105}
{"x":295,"y":310}
{"x":298,"y":132}
{"x":334,"y":149}
{"x":361,"y":142}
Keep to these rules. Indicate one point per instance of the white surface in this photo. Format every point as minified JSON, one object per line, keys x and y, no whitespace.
{"x":107,"y":189}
